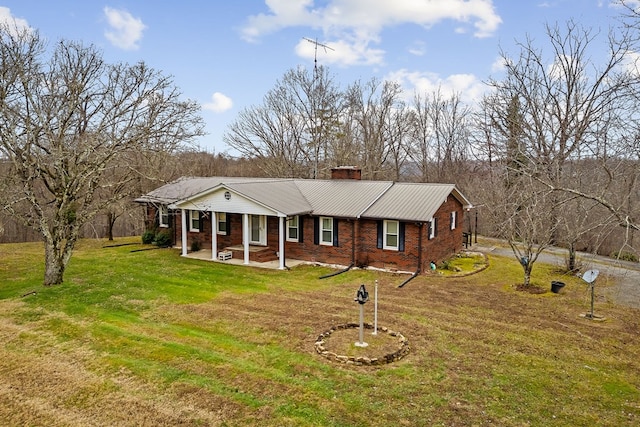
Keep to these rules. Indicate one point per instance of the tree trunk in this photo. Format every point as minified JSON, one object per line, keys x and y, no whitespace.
{"x":527,"y":275}
{"x":571,"y":263}
{"x":54,"y":264}
{"x":111,"y":220}
{"x":57,"y":253}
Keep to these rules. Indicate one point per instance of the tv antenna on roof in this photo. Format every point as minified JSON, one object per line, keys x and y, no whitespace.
{"x":315,"y":53}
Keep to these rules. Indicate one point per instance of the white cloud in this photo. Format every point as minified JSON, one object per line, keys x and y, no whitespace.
{"x":356,"y":24}
{"x":125,"y":31}
{"x":418,"y":48}
{"x":13,"y":23}
{"x":467,"y":86}
{"x":219,"y":103}
{"x":498,"y":65}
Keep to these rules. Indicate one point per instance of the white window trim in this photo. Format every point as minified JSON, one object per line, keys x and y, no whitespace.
{"x":219,"y":220}
{"x":163,"y":212}
{"x":432,"y":231}
{"x":262,"y":225}
{"x":453,"y":220}
{"x":297,"y":227}
{"x":191,"y":216}
{"x":322,"y":230}
{"x":385,"y":244}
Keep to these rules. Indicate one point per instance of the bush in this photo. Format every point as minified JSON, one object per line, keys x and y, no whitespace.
{"x":163,"y":239}
{"x":195,"y":246}
{"x":148,"y":237}
{"x":625,"y":256}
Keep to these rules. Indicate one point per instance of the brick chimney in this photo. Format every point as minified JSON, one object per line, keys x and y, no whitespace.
{"x":346,"y":172}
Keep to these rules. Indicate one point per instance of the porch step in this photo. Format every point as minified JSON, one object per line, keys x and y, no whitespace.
{"x":256,"y":255}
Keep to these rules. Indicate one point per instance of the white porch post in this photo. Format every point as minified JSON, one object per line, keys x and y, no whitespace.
{"x":245,"y":237}
{"x":184,"y":231}
{"x":214,"y":234}
{"x":281,"y":229}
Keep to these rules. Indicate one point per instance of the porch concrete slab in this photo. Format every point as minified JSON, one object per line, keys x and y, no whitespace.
{"x":205,"y":255}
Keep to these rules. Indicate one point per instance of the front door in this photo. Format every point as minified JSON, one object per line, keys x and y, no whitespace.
{"x":258,"y":229}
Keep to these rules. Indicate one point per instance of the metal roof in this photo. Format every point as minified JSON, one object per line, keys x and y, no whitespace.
{"x":283,"y":196}
{"x":186,"y":187}
{"x":335,"y":198}
{"x":341,"y":198}
{"x":412,"y":201}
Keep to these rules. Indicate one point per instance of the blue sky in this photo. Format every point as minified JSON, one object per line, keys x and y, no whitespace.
{"x":227,"y":54}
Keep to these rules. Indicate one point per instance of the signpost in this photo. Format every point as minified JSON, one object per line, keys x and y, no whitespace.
{"x":375,"y":310}
{"x":362,"y":296}
{"x":590,"y":276}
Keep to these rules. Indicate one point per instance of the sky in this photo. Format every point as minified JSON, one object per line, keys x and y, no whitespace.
{"x":227,"y":54}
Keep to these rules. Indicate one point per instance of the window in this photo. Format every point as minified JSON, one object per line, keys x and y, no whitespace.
{"x":326,"y":231}
{"x":432,"y":228}
{"x":292,"y":229}
{"x":453,"y":220}
{"x":194,"y":220}
{"x":222,"y":223}
{"x":163,"y":215}
{"x":391,"y":235}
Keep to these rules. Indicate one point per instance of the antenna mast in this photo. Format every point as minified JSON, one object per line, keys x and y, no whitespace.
{"x":315,"y":53}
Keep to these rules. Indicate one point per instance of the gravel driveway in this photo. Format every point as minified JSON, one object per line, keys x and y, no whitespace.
{"x":626,"y":289}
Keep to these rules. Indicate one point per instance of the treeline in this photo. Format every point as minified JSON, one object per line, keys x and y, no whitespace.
{"x":549,"y":155}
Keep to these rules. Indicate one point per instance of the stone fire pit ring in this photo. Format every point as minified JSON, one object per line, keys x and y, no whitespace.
{"x":403,"y":347}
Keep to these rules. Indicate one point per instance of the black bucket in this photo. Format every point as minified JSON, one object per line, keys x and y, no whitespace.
{"x":556,"y":286}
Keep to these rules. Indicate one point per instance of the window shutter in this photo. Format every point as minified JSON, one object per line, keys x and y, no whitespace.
{"x":401,"y":237}
{"x":300,"y":228}
{"x":435,"y":227}
{"x":228,"y":224}
{"x":380,"y":234}
{"x":335,"y":232}
{"x":201,"y":221}
{"x":316,"y":230}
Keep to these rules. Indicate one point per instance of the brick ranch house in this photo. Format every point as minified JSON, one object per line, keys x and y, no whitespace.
{"x":342,"y":221}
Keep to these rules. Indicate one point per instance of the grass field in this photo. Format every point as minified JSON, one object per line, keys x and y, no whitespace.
{"x":149,"y":338}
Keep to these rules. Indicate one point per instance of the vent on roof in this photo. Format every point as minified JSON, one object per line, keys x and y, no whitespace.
{"x":346,"y":172}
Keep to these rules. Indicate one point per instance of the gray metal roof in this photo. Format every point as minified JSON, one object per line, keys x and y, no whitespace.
{"x":341,"y":198}
{"x":412,"y":201}
{"x":335,"y":198}
{"x":186,"y":187}
{"x":283,"y":196}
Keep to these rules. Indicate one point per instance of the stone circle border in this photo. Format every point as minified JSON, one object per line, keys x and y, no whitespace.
{"x":403,"y":347}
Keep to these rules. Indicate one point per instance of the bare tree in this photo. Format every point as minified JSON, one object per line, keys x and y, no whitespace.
{"x":551,"y":113}
{"x":290,"y":131}
{"x":74,"y":126}
{"x":440,"y":136}
{"x":369,"y":110}
{"x":524,"y":206}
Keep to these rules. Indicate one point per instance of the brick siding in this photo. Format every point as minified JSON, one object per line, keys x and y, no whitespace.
{"x":362,"y":232}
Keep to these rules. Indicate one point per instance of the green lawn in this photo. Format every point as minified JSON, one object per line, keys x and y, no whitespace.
{"x":149,"y":338}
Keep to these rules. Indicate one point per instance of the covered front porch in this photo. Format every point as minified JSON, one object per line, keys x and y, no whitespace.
{"x":234,"y":226}
{"x":206,"y":255}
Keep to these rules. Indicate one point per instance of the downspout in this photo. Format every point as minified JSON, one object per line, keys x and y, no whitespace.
{"x":335,"y":273}
{"x":417,"y":272}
